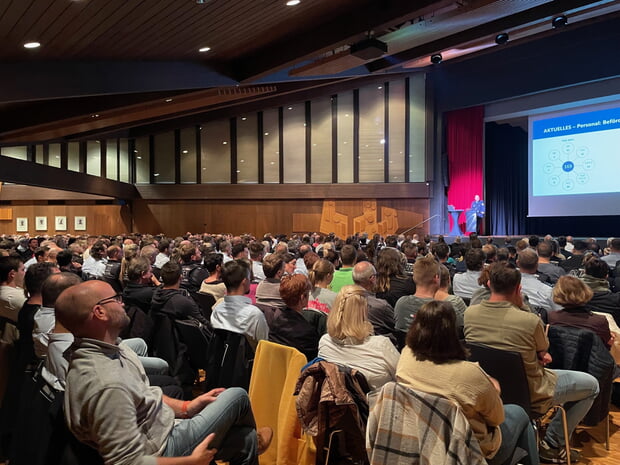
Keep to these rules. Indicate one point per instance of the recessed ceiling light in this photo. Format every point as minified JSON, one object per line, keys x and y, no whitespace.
{"x":204,"y":49}
{"x":32,"y":45}
{"x":185,"y":151}
{"x":243,"y":119}
{"x":168,"y":100}
{"x":155,"y":174}
{"x":293,"y":2}
{"x":139,"y":158}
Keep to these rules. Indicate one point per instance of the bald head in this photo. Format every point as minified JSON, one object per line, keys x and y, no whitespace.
{"x":75,"y":305}
{"x":363,"y":273}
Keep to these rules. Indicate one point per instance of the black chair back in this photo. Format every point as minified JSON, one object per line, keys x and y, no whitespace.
{"x":230,"y":360}
{"x":205,"y":302}
{"x":197,"y":338}
{"x":507,"y":368}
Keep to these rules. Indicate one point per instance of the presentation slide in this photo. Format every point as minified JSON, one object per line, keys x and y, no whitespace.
{"x":574,"y":162}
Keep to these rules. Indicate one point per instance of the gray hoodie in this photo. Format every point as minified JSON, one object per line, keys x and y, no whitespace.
{"x":110,"y":405}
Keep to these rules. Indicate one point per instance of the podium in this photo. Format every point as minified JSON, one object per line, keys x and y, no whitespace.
{"x":455,"y":213}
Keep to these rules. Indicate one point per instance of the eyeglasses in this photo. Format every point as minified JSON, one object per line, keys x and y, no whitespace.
{"x":118,"y":298}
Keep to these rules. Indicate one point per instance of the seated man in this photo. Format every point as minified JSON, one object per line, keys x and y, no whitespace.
{"x":499,"y":322}
{"x":110,"y":405}
{"x":173,"y":300}
{"x":465,"y":284}
{"x":538,"y":293}
{"x":603,"y":300}
{"x":344,"y":276}
{"x":236,"y":313}
{"x":12,"y":296}
{"x":268,"y":290}
{"x":94,"y":265}
{"x":139,"y":289}
{"x":426,"y":278}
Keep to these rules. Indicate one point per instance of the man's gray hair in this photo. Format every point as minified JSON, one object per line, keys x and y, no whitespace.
{"x":362,"y":272}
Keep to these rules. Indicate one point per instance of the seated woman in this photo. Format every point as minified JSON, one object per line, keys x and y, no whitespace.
{"x":392,"y":282}
{"x":289,"y":326}
{"x":443,"y":294}
{"x":321,"y":298}
{"x":434,"y":361}
{"x":573,"y":294}
{"x":350,"y":340}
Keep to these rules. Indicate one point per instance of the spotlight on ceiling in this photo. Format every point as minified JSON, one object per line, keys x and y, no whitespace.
{"x":436,"y":58}
{"x":559,"y":21}
{"x":501,"y":38}
{"x":202,"y":2}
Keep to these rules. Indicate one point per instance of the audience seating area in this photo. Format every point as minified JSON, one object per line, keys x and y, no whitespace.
{"x":322,"y":412}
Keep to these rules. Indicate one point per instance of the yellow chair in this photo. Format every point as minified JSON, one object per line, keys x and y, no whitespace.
{"x":274,"y":376}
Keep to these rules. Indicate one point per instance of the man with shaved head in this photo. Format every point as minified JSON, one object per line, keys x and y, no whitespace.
{"x":110,"y":405}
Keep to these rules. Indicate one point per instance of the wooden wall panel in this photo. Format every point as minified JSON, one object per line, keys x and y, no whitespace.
{"x":257,"y":217}
{"x":100,"y":219}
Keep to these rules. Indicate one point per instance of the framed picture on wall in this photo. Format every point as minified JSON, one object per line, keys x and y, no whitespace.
{"x":21,"y":224}
{"x":61,"y":223}
{"x":79,"y":223}
{"x":40,"y":223}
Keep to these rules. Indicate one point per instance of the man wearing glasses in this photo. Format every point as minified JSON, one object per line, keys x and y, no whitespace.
{"x":110,"y":405}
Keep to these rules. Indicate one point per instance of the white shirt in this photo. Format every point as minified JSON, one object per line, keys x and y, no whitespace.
{"x":237,"y":314}
{"x":465,"y":284}
{"x":161,"y":260}
{"x":94,"y":267}
{"x":376,"y":358}
{"x":44,"y":322}
{"x":257,"y":271}
{"x":539,"y":294}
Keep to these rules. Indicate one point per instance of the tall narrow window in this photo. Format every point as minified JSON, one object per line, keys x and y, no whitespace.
{"x":344,"y":138}
{"x":163,"y":171}
{"x":372,"y":133}
{"x":73,"y":156}
{"x":396,"y":135}
{"x":271,"y":146}
{"x":188,"y":155}
{"x":111,"y":155}
{"x":321,"y":141}
{"x":54,"y":156}
{"x":123,"y":159}
{"x":215,"y":148}
{"x":93,"y":157}
{"x":247,"y":148}
{"x":417,"y":128}
{"x":295,"y":143}
{"x":38,"y":154}
{"x":142,"y":158}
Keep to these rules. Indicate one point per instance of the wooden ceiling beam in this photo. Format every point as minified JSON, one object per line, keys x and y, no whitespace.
{"x":134,"y":115}
{"x":33,"y":174}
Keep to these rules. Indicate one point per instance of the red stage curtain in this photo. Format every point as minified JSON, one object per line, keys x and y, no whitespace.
{"x":464,"y":134}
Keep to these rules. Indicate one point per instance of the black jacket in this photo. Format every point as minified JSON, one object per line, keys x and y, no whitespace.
{"x":176,"y":303}
{"x":606,"y":302}
{"x":138,"y":295}
{"x":582,"y":350}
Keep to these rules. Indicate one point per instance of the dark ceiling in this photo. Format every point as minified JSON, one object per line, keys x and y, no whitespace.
{"x":107,"y":65}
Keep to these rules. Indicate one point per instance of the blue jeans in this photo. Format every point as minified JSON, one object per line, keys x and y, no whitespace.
{"x":151,"y":365}
{"x":517,"y":431}
{"x":576,"y":391}
{"x":230,"y":418}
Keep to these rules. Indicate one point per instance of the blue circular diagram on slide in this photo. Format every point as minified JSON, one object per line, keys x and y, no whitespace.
{"x":568,"y":166}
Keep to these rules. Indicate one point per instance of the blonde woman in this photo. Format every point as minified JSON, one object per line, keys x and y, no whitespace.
{"x":350,"y":340}
{"x":321,"y":298}
{"x":443,"y":294}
